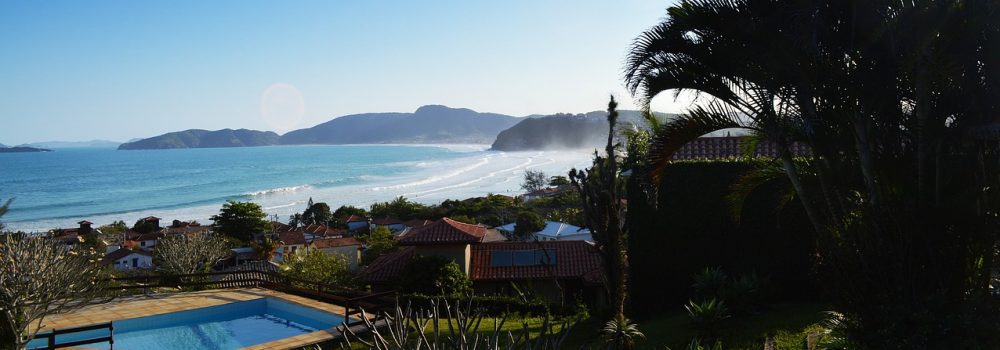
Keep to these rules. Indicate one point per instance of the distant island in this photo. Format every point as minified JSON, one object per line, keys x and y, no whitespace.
{"x":22,"y":149}
{"x":427,"y":125}
{"x":197,"y":138}
{"x":74,"y":144}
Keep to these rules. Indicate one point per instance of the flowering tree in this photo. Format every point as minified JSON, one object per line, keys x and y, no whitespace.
{"x":184,"y":254}
{"x":40,"y":277}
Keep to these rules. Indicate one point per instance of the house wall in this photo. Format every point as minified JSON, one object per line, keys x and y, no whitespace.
{"x":352,"y":253}
{"x":142,"y":262}
{"x":147,"y":244}
{"x":283,"y":251}
{"x":458,"y":253}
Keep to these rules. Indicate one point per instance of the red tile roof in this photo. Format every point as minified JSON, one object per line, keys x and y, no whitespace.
{"x":354,"y":218}
{"x":574,"y":260}
{"x":387,"y":267}
{"x":445,"y":231}
{"x":280,"y":226}
{"x":335,"y":242}
{"x":135,"y":236}
{"x":323,"y":230}
{"x":415,"y":223}
{"x":386,"y":221}
{"x":85,"y":222}
{"x":292,"y":238}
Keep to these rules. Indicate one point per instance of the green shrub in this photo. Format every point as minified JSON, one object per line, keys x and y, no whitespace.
{"x":710,"y":282}
{"x":706,"y":315}
{"x":434,"y":275}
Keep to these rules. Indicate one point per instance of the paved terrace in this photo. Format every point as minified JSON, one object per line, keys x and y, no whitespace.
{"x":156,"y":304}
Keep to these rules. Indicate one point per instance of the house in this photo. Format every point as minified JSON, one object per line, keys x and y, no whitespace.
{"x":355,"y":222}
{"x":348,"y":247}
{"x":394,"y":225}
{"x":277,"y":226}
{"x":551,"y":269}
{"x":127,"y":259}
{"x":291,"y":242}
{"x":316,"y":231}
{"x":145,"y":241}
{"x":554,"y":231}
{"x":185,"y":227}
{"x":447,"y":238}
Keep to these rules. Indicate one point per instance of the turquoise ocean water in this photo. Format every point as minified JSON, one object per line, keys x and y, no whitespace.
{"x":57,"y":189}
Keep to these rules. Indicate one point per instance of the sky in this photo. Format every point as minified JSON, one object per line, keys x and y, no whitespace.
{"x":118,"y":70}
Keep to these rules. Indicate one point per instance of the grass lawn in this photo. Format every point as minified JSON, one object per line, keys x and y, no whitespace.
{"x":787,"y":323}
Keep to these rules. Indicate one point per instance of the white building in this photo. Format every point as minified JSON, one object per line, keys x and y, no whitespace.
{"x":127,"y":259}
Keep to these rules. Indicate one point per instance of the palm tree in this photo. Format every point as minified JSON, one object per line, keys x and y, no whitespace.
{"x":892,"y":98}
{"x":265,"y":248}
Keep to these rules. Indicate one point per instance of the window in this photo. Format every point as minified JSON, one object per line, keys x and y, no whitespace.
{"x":135,"y":262}
{"x":531,"y":257}
{"x":143,"y":243}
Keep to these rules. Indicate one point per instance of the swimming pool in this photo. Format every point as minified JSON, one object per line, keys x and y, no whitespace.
{"x":222,"y":327}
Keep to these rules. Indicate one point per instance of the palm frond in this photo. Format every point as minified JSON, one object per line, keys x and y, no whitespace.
{"x":699,"y":121}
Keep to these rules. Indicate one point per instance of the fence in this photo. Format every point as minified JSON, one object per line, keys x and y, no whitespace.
{"x":51,"y":336}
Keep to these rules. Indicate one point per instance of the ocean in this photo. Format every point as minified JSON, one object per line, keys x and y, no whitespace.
{"x":57,"y":189}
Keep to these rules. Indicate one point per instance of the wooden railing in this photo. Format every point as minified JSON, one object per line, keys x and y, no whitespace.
{"x":51,"y":336}
{"x":352,"y":300}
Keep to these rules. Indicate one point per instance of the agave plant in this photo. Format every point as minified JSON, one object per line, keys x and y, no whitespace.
{"x":409,"y":328}
{"x":746,"y":292}
{"x":621,"y":333}
{"x":707,"y":315}
{"x":710,"y":282}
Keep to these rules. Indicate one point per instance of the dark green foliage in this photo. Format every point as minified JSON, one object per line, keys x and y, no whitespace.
{"x":563,"y":131}
{"x":240,"y":220}
{"x":492,"y":210}
{"x":692,"y":228}
{"x":558,"y":180}
{"x":399,"y":208}
{"x":494,"y":304}
{"x":434,"y":275}
{"x":527,"y":224}
{"x":378,"y":242}
{"x":318,"y":213}
{"x":3,"y":210}
{"x":706,"y":315}
{"x":196,"y":138}
{"x":345,"y":211}
{"x":710,"y":282}
{"x":143,"y":226}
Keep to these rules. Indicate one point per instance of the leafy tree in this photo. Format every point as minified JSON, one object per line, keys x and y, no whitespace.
{"x":896,"y":102}
{"x":347,"y":210}
{"x":295,"y":220}
{"x":534,"y":180}
{"x":41,"y":277}
{"x":399,"y":208}
{"x":527,"y":224}
{"x":3,"y":210}
{"x":316,"y":266}
{"x":143,"y":226}
{"x":240,"y":220}
{"x":464,"y":218}
{"x":434,"y":275}
{"x":558,"y":180}
{"x":185,"y":254}
{"x":378,"y":242}
{"x":318,"y":214}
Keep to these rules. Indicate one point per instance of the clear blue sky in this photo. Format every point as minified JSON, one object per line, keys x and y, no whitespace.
{"x":81,"y":70}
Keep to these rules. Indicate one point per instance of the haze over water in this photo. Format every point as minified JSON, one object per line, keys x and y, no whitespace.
{"x":57,"y":189}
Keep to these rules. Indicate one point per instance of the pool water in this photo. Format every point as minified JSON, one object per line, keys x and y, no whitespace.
{"x":222,"y":327}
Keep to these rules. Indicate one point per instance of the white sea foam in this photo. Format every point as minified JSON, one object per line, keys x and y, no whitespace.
{"x":477,"y":174}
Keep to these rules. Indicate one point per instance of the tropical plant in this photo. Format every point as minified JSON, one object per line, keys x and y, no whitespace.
{"x":265,"y":248}
{"x":621,"y":333}
{"x":746,"y":292}
{"x":896,"y":102}
{"x":316,"y":213}
{"x":710,"y":282}
{"x":240,"y":220}
{"x":39,"y":278}
{"x":406,"y":327}
{"x":707,"y":314}
{"x":599,"y":188}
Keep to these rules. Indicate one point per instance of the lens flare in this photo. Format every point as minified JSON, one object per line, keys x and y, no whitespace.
{"x":282,"y":107}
